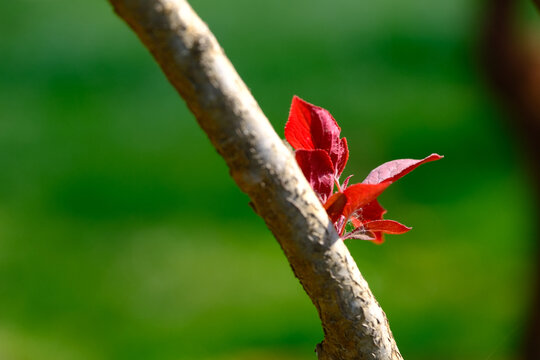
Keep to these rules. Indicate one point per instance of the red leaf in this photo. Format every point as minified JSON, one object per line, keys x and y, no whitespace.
{"x":379,"y":238}
{"x":324,"y":128}
{"x":369,"y":212}
{"x":318,"y":170}
{"x":360,"y":234}
{"x":386,"y":226}
{"x":393,"y":170}
{"x":346,"y":182}
{"x":359,"y":195}
{"x":380,"y":227}
{"x":335,"y":205}
{"x":341,"y":156}
{"x":298,"y":127}
{"x":372,"y":211}
{"x":375,"y":230}
{"x":311,"y":127}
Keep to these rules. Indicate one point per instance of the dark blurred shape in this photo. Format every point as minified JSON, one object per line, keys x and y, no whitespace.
{"x":511,"y":60}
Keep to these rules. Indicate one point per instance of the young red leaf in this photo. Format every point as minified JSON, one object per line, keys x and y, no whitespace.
{"x":359,"y":195}
{"x":346,"y":182}
{"x":379,"y":237}
{"x":377,"y":229}
{"x":393,"y":170}
{"x":386,"y":226}
{"x":341,"y":155}
{"x":298,"y":127}
{"x":324,"y":128}
{"x":318,"y":170}
{"x":311,"y":127}
{"x":335,"y":205}
{"x":360,"y":234}
{"x":369,"y":212}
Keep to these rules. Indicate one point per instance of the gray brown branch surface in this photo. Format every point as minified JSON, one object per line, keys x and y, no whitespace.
{"x":354,"y":324}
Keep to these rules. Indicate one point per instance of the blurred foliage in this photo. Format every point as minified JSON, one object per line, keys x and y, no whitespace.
{"x":123,"y":237}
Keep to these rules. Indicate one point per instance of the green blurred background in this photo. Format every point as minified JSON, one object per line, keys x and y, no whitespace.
{"x":122,"y":235}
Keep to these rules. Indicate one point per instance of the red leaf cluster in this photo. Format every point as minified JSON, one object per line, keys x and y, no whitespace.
{"x":322,"y":155}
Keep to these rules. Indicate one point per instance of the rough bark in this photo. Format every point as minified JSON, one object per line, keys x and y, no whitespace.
{"x":354,"y":324}
{"x":511,"y":62}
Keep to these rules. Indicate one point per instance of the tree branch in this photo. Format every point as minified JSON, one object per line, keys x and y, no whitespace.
{"x":355,"y":326}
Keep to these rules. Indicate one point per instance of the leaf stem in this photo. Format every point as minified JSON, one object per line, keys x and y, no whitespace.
{"x":337,"y":184}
